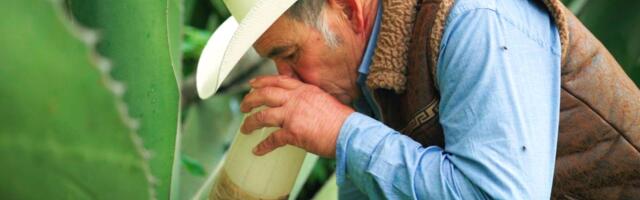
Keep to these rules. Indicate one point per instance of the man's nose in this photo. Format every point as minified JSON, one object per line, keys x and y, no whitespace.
{"x":286,"y":70}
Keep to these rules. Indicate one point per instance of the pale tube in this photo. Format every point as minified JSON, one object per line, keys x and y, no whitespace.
{"x":246,"y":176}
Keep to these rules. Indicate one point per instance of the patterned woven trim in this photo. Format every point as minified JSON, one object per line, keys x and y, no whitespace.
{"x":423,"y":116}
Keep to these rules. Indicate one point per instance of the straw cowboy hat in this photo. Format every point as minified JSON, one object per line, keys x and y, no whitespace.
{"x":232,"y":39}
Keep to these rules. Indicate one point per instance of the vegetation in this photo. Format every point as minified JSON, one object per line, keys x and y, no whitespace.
{"x":98,"y":100}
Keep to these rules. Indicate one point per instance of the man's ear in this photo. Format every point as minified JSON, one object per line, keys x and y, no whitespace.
{"x":352,"y":11}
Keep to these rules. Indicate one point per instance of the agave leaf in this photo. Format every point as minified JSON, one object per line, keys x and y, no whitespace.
{"x":64,"y":130}
{"x":142,"y":38}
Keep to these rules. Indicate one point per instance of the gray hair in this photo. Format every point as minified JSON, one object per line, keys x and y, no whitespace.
{"x":310,"y":12}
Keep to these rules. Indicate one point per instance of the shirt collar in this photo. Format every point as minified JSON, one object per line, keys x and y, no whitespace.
{"x":366,"y":104}
{"x":371,"y":44}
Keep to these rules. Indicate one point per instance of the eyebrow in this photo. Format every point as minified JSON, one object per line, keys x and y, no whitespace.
{"x":277,"y":51}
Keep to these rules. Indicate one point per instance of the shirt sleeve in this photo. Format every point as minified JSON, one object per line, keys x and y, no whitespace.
{"x":499,"y":130}
{"x":385,"y":164}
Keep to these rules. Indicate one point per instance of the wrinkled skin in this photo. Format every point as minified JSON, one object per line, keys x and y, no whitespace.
{"x":309,"y":98}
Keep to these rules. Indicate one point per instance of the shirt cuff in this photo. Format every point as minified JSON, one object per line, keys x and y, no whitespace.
{"x":358,"y":138}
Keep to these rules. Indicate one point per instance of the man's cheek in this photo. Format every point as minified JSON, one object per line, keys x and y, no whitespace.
{"x":309,"y":71}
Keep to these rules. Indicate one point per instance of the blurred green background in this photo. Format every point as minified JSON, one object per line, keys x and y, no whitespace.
{"x":98,"y":99}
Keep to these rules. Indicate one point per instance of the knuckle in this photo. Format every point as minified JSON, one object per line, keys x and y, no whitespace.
{"x":271,"y":141}
{"x":261,"y":116}
{"x":297,"y":126}
{"x":280,"y":80}
{"x":307,"y":89}
{"x":307,"y":93}
{"x":296,"y":139}
{"x":275,"y":140}
{"x":264,"y":92}
{"x":247,"y":101}
{"x":258,"y":93}
{"x":253,"y":94}
{"x":280,"y":139}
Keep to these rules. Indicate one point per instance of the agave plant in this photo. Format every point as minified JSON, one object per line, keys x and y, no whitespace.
{"x":90,"y":102}
{"x":97,"y":98}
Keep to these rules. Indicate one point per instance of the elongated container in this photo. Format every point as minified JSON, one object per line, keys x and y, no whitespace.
{"x":246,"y":176}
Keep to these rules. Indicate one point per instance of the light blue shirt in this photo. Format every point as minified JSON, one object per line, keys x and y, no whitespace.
{"x":499,"y":78}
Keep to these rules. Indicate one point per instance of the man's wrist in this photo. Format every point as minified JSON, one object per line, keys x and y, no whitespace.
{"x":341,"y":119}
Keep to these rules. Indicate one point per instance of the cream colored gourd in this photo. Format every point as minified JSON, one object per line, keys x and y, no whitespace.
{"x":247,"y":176}
{"x":244,"y":175}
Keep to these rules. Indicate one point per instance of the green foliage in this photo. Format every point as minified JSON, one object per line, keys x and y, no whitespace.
{"x":220,"y":9}
{"x":142,"y":38}
{"x":307,"y":168}
{"x":70,"y":128}
{"x":208,"y":129}
{"x":64,"y":131}
{"x":321,"y":172}
{"x":329,"y":191}
{"x":192,"y":166}
{"x":194,"y":42}
{"x":617,"y":25}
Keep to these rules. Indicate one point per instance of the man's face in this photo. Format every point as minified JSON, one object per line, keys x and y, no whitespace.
{"x":300,"y":51}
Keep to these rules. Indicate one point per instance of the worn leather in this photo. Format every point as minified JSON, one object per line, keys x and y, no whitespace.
{"x":598,"y":154}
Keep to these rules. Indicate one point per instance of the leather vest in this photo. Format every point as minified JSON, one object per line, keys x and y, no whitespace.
{"x":598,"y":154}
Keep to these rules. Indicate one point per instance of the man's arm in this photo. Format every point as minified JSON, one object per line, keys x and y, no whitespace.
{"x":383,"y":163}
{"x":499,"y":106}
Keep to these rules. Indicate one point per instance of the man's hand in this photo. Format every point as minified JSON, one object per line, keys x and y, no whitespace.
{"x":309,"y":118}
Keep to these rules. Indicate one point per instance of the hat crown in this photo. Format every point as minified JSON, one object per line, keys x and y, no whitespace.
{"x":232,"y":39}
{"x":240,"y":8}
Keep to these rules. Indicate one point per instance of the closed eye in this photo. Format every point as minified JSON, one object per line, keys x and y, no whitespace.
{"x":290,"y":55}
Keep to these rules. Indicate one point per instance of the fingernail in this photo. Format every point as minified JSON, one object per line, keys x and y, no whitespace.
{"x":252,"y":80}
{"x":255,"y":151}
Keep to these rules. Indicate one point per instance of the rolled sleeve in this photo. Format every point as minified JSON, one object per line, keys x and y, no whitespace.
{"x":384,"y":164}
{"x":355,"y":150}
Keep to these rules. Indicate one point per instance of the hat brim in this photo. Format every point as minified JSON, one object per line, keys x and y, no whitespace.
{"x":231,"y":41}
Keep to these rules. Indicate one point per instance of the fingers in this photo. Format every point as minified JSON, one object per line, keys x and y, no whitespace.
{"x":270,"y":96}
{"x":275,"y":81}
{"x":270,"y":117}
{"x":277,"y":139}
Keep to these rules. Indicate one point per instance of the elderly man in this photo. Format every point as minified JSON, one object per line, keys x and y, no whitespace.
{"x":499,"y":107}
{"x":452,"y":100}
